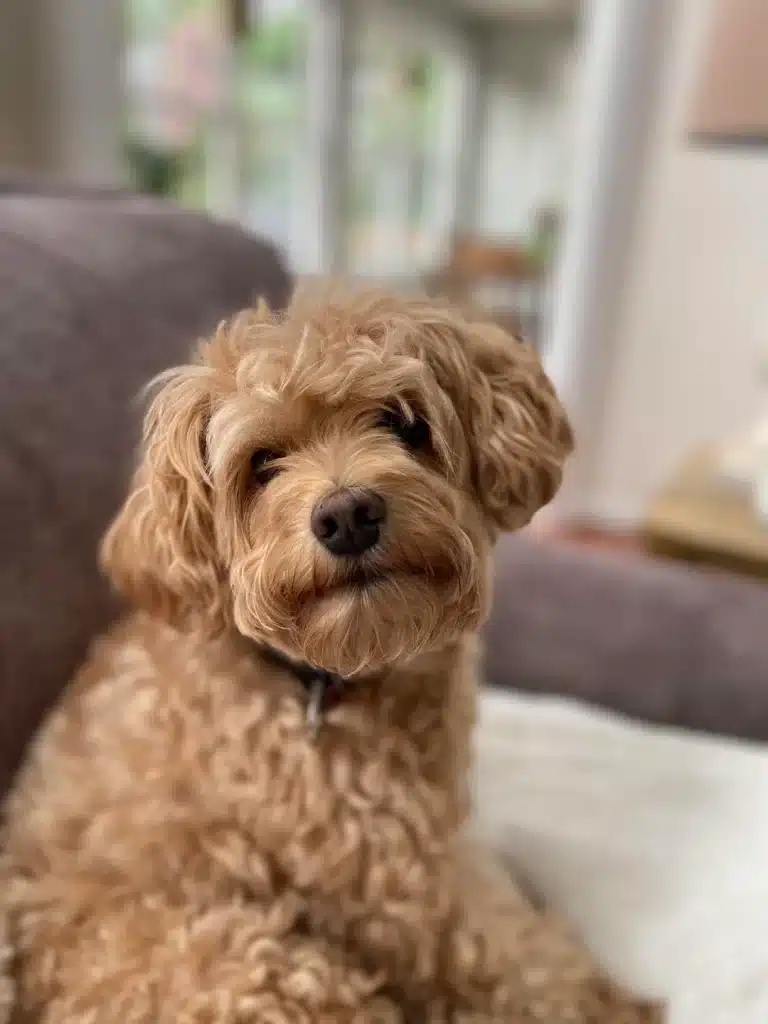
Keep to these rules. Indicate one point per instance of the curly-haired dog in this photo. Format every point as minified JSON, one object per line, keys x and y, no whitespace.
{"x":249,"y":805}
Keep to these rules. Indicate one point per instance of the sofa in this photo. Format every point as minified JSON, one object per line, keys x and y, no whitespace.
{"x":98,"y":292}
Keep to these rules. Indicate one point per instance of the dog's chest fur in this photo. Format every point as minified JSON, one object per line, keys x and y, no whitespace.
{"x":179,"y":765}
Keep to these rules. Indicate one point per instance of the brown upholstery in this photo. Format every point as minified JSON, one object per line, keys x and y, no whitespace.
{"x":97,"y":294}
{"x":656,"y":641}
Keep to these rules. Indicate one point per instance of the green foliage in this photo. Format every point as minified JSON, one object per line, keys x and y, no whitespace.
{"x":151,"y":20}
{"x":275,"y":47}
{"x":152,"y":171}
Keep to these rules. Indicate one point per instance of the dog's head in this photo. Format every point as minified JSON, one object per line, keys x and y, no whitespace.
{"x":330,"y":481}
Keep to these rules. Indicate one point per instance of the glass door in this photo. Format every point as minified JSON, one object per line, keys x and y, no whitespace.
{"x":403,"y":146}
{"x":215,"y":99}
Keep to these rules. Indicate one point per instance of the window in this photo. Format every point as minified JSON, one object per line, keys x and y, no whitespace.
{"x":403,"y":139}
{"x":216,"y":98}
{"x":215,"y":109}
{"x":175,"y":69}
{"x":269,"y":118}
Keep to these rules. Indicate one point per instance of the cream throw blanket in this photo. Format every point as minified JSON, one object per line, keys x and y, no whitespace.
{"x":654,"y":842}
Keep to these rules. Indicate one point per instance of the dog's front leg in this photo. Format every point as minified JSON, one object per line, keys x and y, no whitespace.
{"x":504,"y":961}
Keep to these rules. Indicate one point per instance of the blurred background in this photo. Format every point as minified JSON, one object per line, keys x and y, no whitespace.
{"x":593,"y":171}
{"x":392,"y":140}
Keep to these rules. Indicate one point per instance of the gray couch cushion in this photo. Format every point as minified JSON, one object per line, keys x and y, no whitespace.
{"x":97,"y":294}
{"x":657,"y":641}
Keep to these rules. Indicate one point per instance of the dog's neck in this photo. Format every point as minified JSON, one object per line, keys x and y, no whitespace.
{"x":324,"y":689}
{"x":437,"y":687}
{"x":429,"y":704}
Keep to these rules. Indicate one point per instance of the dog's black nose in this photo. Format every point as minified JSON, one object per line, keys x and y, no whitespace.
{"x":348,"y":522}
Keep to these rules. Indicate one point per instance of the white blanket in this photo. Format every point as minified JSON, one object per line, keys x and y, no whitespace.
{"x":654,"y":842}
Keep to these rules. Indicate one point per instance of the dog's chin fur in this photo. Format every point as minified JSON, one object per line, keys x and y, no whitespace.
{"x":181,"y":847}
{"x":359,"y":628}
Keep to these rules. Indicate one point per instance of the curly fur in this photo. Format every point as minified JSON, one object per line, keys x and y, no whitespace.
{"x":7,"y":992}
{"x":180,"y":849}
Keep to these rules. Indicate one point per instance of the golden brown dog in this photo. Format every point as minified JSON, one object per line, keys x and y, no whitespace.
{"x":249,"y":806}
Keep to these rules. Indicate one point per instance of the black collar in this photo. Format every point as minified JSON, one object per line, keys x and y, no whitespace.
{"x":324,"y":689}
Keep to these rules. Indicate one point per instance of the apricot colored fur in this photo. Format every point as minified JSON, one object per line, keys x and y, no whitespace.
{"x":180,"y":851}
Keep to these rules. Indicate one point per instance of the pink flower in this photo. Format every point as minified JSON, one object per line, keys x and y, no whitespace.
{"x":191,"y":79}
{"x":196,"y":61}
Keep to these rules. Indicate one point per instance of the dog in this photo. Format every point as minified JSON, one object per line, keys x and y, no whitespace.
{"x":250,"y":805}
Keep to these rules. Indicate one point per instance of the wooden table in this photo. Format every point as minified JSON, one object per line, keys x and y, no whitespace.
{"x":700,"y":519}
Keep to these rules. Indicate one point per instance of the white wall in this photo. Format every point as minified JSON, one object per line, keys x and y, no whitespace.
{"x":529,"y":122}
{"x":695,"y":303}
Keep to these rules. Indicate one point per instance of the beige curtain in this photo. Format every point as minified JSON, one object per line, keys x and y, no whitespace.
{"x":60,"y":88}
{"x":22,"y":131}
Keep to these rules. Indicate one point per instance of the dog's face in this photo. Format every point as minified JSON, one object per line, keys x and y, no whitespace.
{"x":330,"y":482}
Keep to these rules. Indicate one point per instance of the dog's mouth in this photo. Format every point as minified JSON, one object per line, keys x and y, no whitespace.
{"x":362,"y":577}
{"x":367,"y":577}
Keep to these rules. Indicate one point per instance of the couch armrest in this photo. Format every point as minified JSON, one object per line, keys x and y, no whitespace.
{"x":97,"y":294}
{"x":656,"y":641}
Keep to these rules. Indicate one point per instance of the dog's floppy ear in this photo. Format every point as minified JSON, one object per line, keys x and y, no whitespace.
{"x":160,"y":551}
{"x":518,"y":429}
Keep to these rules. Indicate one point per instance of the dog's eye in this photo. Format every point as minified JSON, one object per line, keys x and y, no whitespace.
{"x":265,"y":465}
{"x":414,"y":433}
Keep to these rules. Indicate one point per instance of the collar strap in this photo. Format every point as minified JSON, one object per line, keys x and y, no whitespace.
{"x":324,"y":689}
